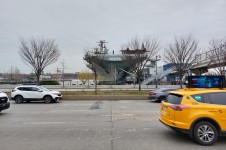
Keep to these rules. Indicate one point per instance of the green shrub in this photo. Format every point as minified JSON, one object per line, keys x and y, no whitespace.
{"x":51,"y":82}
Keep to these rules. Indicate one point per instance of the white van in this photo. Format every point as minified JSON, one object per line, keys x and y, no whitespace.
{"x":76,"y":82}
{"x":90,"y":82}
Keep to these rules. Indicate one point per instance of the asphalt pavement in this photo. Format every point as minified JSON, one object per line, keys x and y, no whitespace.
{"x":90,"y":125}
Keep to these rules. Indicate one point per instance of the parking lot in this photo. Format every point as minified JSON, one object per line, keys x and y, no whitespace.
{"x":90,"y":125}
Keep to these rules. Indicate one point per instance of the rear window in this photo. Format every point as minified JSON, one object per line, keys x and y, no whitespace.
{"x":174,"y":99}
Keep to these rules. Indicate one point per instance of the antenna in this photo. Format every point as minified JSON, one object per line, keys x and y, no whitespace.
{"x":103,"y":48}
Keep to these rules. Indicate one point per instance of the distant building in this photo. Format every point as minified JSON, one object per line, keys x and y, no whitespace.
{"x":45,"y":77}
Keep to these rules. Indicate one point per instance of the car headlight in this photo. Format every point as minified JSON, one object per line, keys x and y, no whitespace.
{"x":55,"y":94}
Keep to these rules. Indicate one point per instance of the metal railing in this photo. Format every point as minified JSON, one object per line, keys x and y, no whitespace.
{"x":160,"y":75}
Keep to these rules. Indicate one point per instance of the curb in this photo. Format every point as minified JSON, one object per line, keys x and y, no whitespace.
{"x":104,"y":97}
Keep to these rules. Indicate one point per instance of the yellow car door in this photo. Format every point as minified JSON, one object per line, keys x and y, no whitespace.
{"x":218,"y":107}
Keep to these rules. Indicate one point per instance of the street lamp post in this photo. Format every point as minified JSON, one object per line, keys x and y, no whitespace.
{"x":134,"y":79}
{"x":145,"y":72}
{"x":144,"y":75}
{"x":156,"y":74}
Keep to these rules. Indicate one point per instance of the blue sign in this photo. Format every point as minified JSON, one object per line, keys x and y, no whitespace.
{"x":206,"y":81}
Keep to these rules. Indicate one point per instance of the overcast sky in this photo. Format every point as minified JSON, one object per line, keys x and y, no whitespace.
{"x":76,"y":24}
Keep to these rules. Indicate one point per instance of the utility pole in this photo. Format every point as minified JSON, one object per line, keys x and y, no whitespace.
{"x":63,"y":68}
{"x":115,"y":75}
{"x":11,"y":73}
{"x":144,"y":74}
{"x":158,"y":57}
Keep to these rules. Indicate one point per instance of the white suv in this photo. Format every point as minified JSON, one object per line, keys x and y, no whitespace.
{"x":33,"y":93}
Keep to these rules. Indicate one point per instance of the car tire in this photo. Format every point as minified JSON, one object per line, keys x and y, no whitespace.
{"x":19,"y":99}
{"x":205,"y":133}
{"x":47,"y":99}
{"x":162,"y":98}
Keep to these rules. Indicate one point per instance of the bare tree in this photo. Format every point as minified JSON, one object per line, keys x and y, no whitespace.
{"x":112,"y":73}
{"x":137,"y":53}
{"x":182,"y":53}
{"x":14,"y":74}
{"x":94,"y":57}
{"x":85,"y":76}
{"x":218,"y":54}
{"x":38,"y":54}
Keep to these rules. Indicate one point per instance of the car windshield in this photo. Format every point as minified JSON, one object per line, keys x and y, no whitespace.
{"x":43,"y":88}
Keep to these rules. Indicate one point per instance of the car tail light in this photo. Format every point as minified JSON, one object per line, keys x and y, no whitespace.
{"x":153,"y":93}
{"x":13,"y":90}
{"x":178,"y":107}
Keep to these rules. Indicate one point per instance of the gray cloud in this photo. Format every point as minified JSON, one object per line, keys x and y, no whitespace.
{"x":76,"y":24}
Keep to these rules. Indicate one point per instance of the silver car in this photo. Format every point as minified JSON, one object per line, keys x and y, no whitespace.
{"x":160,"y":94}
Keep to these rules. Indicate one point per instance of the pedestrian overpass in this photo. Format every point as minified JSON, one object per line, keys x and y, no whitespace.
{"x":203,"y":62}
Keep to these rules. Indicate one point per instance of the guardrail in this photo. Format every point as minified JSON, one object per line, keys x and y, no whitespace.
{"x":8,"y":88}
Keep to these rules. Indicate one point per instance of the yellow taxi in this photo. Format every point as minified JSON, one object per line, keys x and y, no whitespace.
{"x":201,"y":113}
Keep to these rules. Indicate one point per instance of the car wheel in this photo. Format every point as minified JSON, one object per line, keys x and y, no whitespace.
{"x":19,"y":99}
{"x":205,"y":133}
{"x":47,"y":99}
{"x":162,"y":98}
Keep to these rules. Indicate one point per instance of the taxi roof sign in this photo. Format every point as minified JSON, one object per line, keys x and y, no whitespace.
{"x":206,"y":82}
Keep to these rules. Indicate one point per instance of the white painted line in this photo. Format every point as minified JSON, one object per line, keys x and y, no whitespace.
{"x":55,"y":111}
{"x":41,"y":123}
{"x":48,"y":123}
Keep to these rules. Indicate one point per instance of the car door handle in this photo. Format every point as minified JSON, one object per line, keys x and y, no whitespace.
{"x":212,"y":110}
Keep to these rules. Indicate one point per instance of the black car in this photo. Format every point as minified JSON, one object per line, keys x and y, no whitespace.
{"x":4,"y":101}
